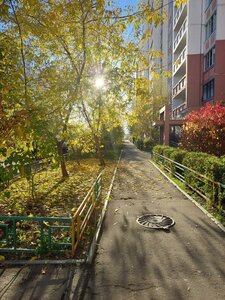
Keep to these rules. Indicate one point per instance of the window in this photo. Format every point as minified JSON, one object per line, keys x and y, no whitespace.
{"x":210,"y":58}
{"x":210,"y":26}
{"x":208,"y":90}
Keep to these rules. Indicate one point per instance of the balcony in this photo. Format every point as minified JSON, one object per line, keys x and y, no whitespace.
{"x":179,"y":15}
{"x":180,"y":35}
{"x":180,"y":60}
{"x":179,"y":87}
{"x":178,"y":112}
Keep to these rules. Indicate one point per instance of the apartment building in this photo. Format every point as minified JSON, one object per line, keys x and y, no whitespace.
{"x":196,"y":35}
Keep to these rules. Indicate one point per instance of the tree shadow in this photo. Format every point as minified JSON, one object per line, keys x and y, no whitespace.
{"x":133,"y":261}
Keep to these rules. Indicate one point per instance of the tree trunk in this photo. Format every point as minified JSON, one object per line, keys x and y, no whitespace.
{"x":99,"y":151}
{"x":62,"y":159}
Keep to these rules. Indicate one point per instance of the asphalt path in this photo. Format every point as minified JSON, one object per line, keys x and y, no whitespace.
{"x":133,"y":262}
{"x":38,"y":282}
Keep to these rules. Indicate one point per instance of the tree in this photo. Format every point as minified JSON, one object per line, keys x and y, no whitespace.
{"x":204,"y":130}
{"x":56,"y":46}
{"x":150,"y":97}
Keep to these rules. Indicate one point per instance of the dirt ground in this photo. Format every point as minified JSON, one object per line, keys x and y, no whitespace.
{"x":133,"y":262}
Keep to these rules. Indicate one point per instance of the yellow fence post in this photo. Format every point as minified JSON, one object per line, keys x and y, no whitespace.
{"x":73,"y":236}
{"x":93,"y":198}
{"x":78,"y":227}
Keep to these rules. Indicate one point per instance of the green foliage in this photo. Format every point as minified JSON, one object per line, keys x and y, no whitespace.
{"x":169,"y":151}
{"x":148,"y":144}
{"x":159,"y":149}
{"x":112,"y":138}
{"x":215,"y":169}
{"x":196,"y":161}
{"x":145,"y":107}
{"x":139,"y":143}
{"x":50,"y":56}
{"x":178,"y":155}
{"x":210,"y":166}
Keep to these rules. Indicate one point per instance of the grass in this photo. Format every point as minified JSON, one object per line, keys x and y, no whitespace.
{"x":54,"y":196}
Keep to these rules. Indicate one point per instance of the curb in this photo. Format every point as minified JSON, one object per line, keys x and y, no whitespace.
{"x":190,"y":198}
{"x":41,"y":262}
{"x":92,"y":249}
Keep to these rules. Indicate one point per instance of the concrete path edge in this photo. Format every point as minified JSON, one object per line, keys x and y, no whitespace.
{"x":102,"y":216}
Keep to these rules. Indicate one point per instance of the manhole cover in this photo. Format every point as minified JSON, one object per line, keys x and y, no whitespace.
{"x":155,"y":221}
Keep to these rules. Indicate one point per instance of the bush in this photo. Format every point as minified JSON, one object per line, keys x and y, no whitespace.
{"x":168,"y":151}
{"x":205,"y":164}
{"x":197,"y":161}
{"x":139,"y":143}
{"x":215,"y":170}
{"x":148,"y":144}
{"x":204,"y":130}
{"x":178,"y":155}
{"x":159,"y":150}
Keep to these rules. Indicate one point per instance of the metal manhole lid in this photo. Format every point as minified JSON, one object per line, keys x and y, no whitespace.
{"x":155,"y":221}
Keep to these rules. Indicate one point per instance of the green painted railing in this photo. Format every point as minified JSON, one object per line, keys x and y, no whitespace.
{"x":213,"y":192}
{"x":34,"y":234}
{"x":39,"y":235}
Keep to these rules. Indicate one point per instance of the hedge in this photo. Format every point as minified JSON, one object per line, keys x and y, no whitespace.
{"x":205,"y":164}
{"x":178,"y":155}
{"x":148,"y":144}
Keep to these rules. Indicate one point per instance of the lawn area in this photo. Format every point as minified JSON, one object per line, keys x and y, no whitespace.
{"x":53,"y":195}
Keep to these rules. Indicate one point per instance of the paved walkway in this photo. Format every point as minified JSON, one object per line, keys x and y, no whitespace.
{"x":132,"y":262}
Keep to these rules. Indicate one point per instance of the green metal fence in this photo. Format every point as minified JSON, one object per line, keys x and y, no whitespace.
{"x":213,"y":192}
{"x":47,"y":234}
{"x":34,"y":234}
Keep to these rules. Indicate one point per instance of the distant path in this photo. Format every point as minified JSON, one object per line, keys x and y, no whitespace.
{"x":187,"y":262}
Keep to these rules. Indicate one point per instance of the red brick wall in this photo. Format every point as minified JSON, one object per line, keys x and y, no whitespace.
{"x":194,"y":80}
{"x":220,"y":70}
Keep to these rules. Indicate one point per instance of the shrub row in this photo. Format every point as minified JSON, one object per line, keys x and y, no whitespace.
{"x":208,"y":165}
{"x":146,"y":144}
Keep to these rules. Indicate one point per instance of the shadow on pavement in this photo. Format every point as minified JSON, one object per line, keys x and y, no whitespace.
{"x":132,"y":262}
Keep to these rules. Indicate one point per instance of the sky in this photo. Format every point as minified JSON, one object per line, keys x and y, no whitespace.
{"x":123,"y":3}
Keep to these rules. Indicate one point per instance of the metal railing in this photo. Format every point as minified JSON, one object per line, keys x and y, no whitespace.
{"x":177,"y":112}
{"x":181,"y":58}
{"x":180,"y":86}
{"x":30,"y":234}
{"x":178,"y":14}
{"x":205,"y":187}
{"x":180,"y":34}
{"x":34,"y":234}
{"x":83,"y":213}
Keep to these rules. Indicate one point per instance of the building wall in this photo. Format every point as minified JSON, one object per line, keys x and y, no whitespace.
{"x":220,"y":70}
{"x":193,"y":42}
{"x":201,"y":41}
{"x":215,"y":42}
